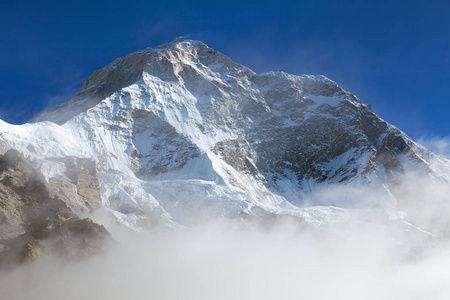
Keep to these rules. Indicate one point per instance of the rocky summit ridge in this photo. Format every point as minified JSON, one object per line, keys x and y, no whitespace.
{"x":180,"y":133}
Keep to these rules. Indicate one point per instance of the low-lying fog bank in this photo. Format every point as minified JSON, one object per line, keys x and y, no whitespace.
{"x":226,"y":261}
{"x":281,"y":259}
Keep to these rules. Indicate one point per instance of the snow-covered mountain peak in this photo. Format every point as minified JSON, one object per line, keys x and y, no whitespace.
{"x":181,"y":127}
{"x":188,"y":57}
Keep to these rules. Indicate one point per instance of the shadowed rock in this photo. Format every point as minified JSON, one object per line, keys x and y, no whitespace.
{"x":33,"y":223}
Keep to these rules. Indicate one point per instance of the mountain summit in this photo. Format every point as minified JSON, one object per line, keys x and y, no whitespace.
{"x":180,"y":133}
{"x":165,"y":62}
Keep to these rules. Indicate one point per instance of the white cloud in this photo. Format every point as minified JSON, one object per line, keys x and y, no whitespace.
{"x":278,"y":259}
{"x":439,"y":145}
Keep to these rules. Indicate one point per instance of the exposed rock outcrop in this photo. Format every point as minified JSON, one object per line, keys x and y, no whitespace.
{"x":35,"y":222}
{"x":78,"y":187}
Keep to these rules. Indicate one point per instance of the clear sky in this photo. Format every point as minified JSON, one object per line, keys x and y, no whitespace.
{"x":394,"y":55}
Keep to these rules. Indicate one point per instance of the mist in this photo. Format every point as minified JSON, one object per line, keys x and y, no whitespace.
{"x":259,"y":259}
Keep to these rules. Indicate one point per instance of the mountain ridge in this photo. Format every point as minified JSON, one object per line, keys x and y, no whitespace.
{"x":180,"y":132}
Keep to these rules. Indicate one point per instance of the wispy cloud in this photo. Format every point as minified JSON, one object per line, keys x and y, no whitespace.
{"x":68,"y":84}
{"x":439,"y":145}
{"x":9,"y":115}
{"x":277,"y":259}
{"x":162,"y":31}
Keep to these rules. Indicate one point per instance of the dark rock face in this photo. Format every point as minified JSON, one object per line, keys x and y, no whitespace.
{"x":35,"y":223}
{"x":169,"y":150}
{"x":296,"y":139}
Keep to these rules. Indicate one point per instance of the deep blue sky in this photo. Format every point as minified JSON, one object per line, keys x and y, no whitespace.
{"x":394,"y":55}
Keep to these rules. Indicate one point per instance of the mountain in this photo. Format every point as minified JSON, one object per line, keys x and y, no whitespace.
{"x":180,"y":133}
